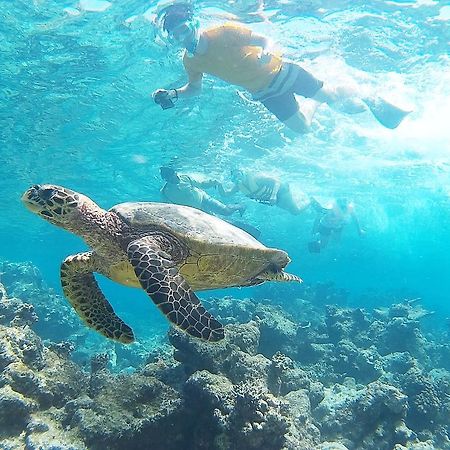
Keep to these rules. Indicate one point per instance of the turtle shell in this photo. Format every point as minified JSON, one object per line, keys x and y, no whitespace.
{"x":220,"y":254}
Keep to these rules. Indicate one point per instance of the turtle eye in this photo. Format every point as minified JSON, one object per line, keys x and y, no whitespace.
{"x":46,"y":194}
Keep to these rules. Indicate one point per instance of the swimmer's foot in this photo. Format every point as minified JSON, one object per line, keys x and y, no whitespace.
{"x":386,"y":113}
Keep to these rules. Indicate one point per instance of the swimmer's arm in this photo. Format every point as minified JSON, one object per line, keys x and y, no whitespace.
{"x":192,"y":88}
{"x":266,"y":44}
{"x":355,"y":221}
{"x":163,"y":193}
{"x":259,"y":40}
{"x":206,"y":183}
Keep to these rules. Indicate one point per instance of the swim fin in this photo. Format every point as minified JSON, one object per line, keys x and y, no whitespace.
{"x":386,"y":113}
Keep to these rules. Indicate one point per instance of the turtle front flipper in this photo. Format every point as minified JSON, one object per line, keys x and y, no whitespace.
{"x":84,"y":294}
{"x":160,"y":278}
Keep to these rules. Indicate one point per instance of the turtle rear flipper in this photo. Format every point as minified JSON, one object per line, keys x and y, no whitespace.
{"x":84,"y":294}
{"x":160,"y":278}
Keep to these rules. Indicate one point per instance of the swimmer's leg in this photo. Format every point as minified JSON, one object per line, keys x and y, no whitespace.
{"x":346,"y":99}
{"x":214,"y":206}
{"x":298,"y":115}
{"x":286,"y":108}
{"x":301,"y":121}
{"x":324,"y":239}
{"x":286,"y":200}
{"x":341,"y":98}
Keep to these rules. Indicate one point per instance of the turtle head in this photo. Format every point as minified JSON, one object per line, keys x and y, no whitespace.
{"x":55,"y":204}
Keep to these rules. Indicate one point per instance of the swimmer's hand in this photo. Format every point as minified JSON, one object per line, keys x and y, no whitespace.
{"x":164,"y":97}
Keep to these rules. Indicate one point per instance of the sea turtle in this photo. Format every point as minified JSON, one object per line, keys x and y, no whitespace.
{"x":167,"y":250}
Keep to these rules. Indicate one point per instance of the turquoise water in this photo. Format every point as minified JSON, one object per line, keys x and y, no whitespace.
{"x":75,"y":110}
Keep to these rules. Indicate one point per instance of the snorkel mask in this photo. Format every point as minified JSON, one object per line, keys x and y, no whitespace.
{"x":168,"y":174}
{"x":175,"y":23}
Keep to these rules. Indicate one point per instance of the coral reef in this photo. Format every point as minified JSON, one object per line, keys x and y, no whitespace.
{"x":54,"y":320}
{"x":35,"y":383}
{"x":377,"y":408}
{"x":57,"y":319}
{"x":297,"y":376}
{"x":233,"y":384}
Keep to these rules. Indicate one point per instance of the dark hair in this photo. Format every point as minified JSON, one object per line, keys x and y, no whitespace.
{"x":175,"y":15}
{"x":167,"y":172}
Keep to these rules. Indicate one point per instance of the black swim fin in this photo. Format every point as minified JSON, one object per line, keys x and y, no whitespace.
{"x":386,"y":113}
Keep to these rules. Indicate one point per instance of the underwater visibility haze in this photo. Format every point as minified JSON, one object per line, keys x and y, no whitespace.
{"x":355,"y":357}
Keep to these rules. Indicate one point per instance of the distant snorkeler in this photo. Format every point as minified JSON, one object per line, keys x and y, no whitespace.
{"x":183,"y":189}
{"x":265,"y":189}
{"x":237,"y":55}
{"x":188,"y":190}
{"x":330,"y":222}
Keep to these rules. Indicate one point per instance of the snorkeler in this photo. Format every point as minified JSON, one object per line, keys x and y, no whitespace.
{"x":239,"y":56}
{"x":265,"y":189}
{"x":186,"y":190}
{"x":330,"y":221}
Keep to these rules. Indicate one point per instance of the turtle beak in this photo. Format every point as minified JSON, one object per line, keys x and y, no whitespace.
{"x":31,"y":192}
{"x":30,"y":198}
